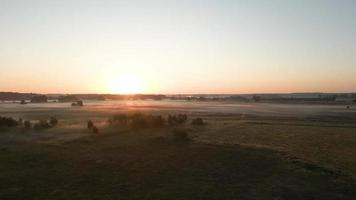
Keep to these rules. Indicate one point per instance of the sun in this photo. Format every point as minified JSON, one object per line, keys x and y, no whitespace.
{"x":127,"y":84}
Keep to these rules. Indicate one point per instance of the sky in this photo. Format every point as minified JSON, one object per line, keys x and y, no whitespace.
{"x":181,"y":46}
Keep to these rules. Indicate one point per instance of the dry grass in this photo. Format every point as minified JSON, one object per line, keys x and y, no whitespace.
{"x":231,"y":156}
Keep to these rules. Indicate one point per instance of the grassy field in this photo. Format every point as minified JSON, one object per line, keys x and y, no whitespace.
{"x":233,"y":156}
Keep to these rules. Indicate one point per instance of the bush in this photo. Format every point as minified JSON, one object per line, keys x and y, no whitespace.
{"x":119,"y":119}
{"x":198,"y":122}
{"x":90,"y":124}
{"x":156,"y":121}
{"x":42,"y":124}
{"x":27,"y":124}
{"x":95,"y":130}
{"x":8,"y":121}
{"x":53,"y":121}
{"x":180,"y":135}
{"x":177,"y":119}
{"x":182,"y":118}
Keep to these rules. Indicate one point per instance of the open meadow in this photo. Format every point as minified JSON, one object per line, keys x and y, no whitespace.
{"x":241,"y":151}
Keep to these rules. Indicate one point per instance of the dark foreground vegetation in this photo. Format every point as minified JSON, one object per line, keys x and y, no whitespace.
{"x":142,"y":165}
{"x":139,"y":120}
{"x":153,"y":156}
{"x":9,"y":122}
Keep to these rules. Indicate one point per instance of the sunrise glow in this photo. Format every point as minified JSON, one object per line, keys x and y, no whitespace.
{"x":127,"y":84}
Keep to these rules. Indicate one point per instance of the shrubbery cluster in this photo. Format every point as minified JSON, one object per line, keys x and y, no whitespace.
{"x":138,"y":120}
{"x":43,"y":124}
{"x":177,"y":119}
{"x":141,"y":121}
{"x":27,"y":124}
{"x":8,"y":122}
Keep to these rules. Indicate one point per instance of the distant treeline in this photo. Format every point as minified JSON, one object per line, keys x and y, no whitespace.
{"x":102,"y":97}
{"x":278,"y":98}
{"x":15,"y":96}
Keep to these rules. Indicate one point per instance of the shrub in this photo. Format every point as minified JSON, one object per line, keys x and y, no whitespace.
{"x":53,"y":121}
{"x":119,"y":119}
{"x":180,"y":135}
{"x":182,"y":118}
{"x":8,"y":121}
{"x":95,"y":130}
{"x":156,"y":121}
{"x":27,"y":124}
{"x":42,"y":124}
{"x":198,"y":122}
{"x":90,"y":124}
{"x":177,"y":119}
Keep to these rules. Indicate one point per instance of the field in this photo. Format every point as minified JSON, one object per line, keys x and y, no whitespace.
{"x":244,"y":151}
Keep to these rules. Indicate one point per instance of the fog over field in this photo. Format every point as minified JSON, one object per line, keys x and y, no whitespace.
{"x":258,"y":109}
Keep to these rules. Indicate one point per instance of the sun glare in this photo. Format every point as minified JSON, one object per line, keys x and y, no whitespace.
{"x":127,"y":85}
